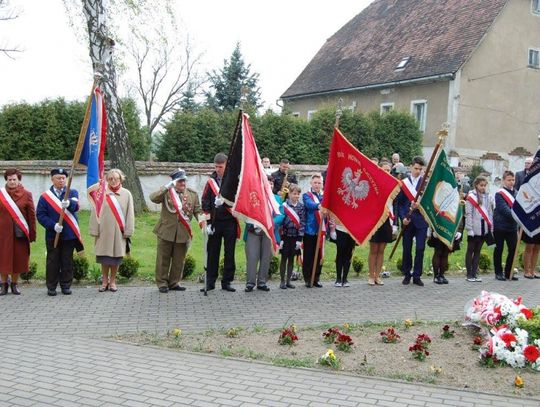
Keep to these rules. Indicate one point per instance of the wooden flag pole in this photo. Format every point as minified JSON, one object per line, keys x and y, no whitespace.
{"x":442,"y":134}
{"x":316,"y":259}
{"x":78,"y":150}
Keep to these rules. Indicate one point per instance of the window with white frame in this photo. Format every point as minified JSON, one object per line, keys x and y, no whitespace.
{"x":310,"y":114}
{"x":386,"y":107}
{"x":535,"y":7}
{"x":534,"y":58}
{"x":419,"y":112}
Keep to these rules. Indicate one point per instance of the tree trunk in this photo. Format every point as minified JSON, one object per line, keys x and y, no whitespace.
{"x":118,"y":145}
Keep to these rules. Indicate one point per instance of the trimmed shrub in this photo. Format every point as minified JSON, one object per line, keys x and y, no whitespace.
{"x":357,"y":265}
{"x":274,"y":266}
{"x":80,"y":268}
{"x":32,"y":270}
{"x":189,"y":266}
{"x":129,"y":267}
{"x":484,"y":263}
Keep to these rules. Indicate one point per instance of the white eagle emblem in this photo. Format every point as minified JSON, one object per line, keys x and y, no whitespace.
{"x":353,"y":187}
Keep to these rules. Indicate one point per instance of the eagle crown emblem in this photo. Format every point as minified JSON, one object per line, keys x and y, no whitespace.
{"x":353,"y":187}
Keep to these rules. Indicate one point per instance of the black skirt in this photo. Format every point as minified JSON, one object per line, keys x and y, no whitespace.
{"x":383,"y":234}
{"x":530,"y":240}
{"x":289,"y":245}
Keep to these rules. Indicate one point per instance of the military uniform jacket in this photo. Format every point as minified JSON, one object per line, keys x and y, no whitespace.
{"x":169,"y":227}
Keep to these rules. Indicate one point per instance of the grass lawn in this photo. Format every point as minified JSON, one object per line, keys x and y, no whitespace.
{"x":144,"y":250}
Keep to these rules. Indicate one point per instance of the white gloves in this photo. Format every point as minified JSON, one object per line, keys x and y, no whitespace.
{"x":333,"y":235}
{"x":257,"y":229}
{"x":209,"y":230}
{"x":170,"y":184}
{"x":298,"y":245}
{"x":281,"y":244}
{"x":65,"y":204}
{"x":458,"y":236}
{"x":218,"y":201}
{"x":58,"y":228}
{"x":394,"y":229}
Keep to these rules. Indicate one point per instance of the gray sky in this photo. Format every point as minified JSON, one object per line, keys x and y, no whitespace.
{"x":278,"y":38}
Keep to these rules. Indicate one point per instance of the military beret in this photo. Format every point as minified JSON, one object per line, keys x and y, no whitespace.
{"x":60,"y":171}
{"x":179,"y":174}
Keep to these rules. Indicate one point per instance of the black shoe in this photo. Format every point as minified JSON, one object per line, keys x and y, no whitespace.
{"x":318,"y":285}
{"x":207,"y":289}
{"x":283,"y":286}
{"x":444,"y":280}
{"x":438,"y":280}
{"x":289,"y":285}
{"x":248,"y":289}
{"x":163,"y":290}
{"x":51,"y":293}
{"x":4,"y":288}
{"x":66,"y":291}
{"x":500,"y":277}
{"x":15,"y":289}
{"x":308,"y":285}
{"x":177,"y":288}
{"x":228,"y":288}
{"x":263,"y":288}
{"x":406,"y":279}
{"x":418,"y":282}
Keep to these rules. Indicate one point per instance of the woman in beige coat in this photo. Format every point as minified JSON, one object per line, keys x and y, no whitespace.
{"x":115,"y":226}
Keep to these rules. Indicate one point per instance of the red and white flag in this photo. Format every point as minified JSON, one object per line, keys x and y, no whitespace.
{"x":356,"y":190}
{"x":245,"y":184}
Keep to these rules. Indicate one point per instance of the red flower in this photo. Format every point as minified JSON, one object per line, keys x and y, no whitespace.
{"x":508,"y":338}
{"x":531,"y":353}
{"x":527,"y":312}
{"x":477,"y":340}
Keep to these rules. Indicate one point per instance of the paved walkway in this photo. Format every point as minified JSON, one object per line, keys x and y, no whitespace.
{"x":55,"y":351}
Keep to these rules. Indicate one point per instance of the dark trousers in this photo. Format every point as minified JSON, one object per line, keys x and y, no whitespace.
{"x":502,"y":236}
{"x":345,"y":247}
{"x":472,"y":256}
{"x":59,"y":268}
{"x":288,"y":254}
{"x":310,"y":244}
{"x":223,"y":230}
{"x":439,"y":260}
{"x":419,"y":234}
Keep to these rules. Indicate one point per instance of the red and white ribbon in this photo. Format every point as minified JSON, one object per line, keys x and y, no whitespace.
{"x":409,"y":189}
{"x":215,"y":189}
{"x":291,"y":213}
{"x":116,"y":210}
{"x":507,"y":196}
{"x":14,"y":211}
{"x":182,"y":217}
{"x":391,"y":211}
{"x":474,"y":202}
{"x":55,"y":203}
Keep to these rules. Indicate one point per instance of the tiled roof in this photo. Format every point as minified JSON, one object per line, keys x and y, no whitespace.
{"x":437,"y":35}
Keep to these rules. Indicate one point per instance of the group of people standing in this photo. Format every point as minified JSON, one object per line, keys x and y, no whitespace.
{"x":297,"y":223}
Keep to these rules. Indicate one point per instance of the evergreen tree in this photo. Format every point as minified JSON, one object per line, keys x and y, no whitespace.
{"x":226,"y":84}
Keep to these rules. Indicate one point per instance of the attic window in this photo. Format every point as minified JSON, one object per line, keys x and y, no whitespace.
{"x":403,"y":63}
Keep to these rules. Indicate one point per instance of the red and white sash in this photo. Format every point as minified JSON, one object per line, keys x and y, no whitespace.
{"x":14,"y":211}
{"x":55,"y":203}
{"x":507,"y":196}
{"x":116,"y":210}
{"x":182,"y":217}
{"x":409,"y":189}
{"x":291,"y":213}
{"x":474,"y":202}
{"x":319,"y":218}
{"x":215,"y":189}
{"x":391,"y":212}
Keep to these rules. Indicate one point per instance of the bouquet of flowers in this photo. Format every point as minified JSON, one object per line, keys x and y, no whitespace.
{"x":506,"y":342}
{"x":344,"y":342}
{"x":288,"y":336}
{"x":331,"y":334}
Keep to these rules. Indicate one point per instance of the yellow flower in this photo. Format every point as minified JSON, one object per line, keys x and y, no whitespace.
{"x":519,"y":382}
{"x":293,"y":328}
{"x":176,"y":332}
{"x":436,"y":370}
{"x":346,"y":326}
{"x":408,"y":323}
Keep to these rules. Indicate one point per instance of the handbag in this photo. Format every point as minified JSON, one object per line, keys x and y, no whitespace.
{"x":490,"y":239}
{"x":18,"y":232}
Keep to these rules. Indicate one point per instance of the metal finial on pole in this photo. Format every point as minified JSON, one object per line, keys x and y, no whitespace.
{"x":339,"y":111}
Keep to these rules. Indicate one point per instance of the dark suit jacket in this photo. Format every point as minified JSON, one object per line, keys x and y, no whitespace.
{"x":403,"y":206}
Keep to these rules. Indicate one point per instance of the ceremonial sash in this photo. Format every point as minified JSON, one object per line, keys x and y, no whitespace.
{"x":391,"y":211}
{"x":182,"y":217}
{"x":319,"y":218}
{"x":215,"y":189}
{"x":14,"y":211}
{"x":55,"y":203}
{"x":291,"y":213}
{"x":474,"y":202}
{"x":409,"y":189}
{"x":116,"y":210}
{"x":507,"y":196}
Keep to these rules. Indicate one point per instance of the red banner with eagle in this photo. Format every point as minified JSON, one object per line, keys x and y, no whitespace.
{"x":356,"y":190}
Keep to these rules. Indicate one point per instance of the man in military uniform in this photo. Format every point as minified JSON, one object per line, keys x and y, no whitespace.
{"x":280,"y":174}
{"x":59,"y":268}
{"x":178,"y":206}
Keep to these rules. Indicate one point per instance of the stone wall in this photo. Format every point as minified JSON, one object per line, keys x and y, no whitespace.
{"x":36,"y":176}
